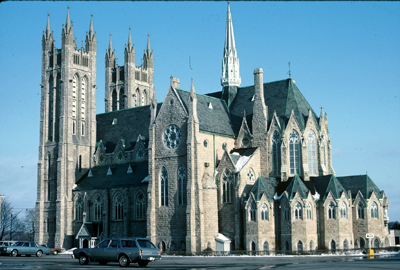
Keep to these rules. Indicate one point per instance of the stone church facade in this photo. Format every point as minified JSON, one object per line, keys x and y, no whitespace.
{"x":249,"y":165}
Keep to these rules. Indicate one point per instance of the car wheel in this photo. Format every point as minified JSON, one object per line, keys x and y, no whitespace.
{"x":83,"y":259}
{"x":143,"y":263}
{"x":102,"y":262}
{"x":123,"y":261}
{"x":55,"y":252}
{"x":14,"y":253}
{"x":39,"y":253}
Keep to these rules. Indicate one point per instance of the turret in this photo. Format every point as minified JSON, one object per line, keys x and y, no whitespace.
{"x":110,"y":55}
{"x":68,"y":32}
{"x":148,"y":60}
{"x":91,"y":41}
{"x":130,"y":50}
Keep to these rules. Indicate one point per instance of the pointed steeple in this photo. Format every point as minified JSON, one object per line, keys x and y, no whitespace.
{"x":67,"y":24}
{"x":48,"y":31}
{"x":148,"y":60}
{"x":91,"y":25}
{"x":110,"y":55}
{"x":91,"y":42}
{"x":193,"y":108}
{"x":129,"y":55}
{"x":230,"y":79}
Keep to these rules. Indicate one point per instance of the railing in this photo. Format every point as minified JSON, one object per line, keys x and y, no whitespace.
{"x":357,"y":251}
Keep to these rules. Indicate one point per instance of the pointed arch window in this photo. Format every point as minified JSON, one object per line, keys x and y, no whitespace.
{"x":311,"y":151}
{"x":164,"y":186}
{"x":309,"y":211}
{"x":253,"y":212}
{"x":311,"y":245}
{"x":119,"y":207}
{"x":74,"y":89}
{"x":345,"y":244}
{"x":114,"y":100}
{"x":286,"y":212}
{"x":294,"y":152}
{"x":343,"y":210}
{"x":298,"y":211}
{"x":374,"y":210}
{"x":266,"y":246}
{"x":98,"y":207}
{"x":121,"y":99}
{"x":51,"y":108}
{"x":332,"y":210}
{"x":276,"y":153}
{"x":227,"y":186}
{"x":144,"y":97}
{"x":182,"y":186}
{"x":360,"y":210}
{"x":300,"y":246}
{"x":264,"y":212}
{"x":79,"y":208}
{"x":324,"y":150}
{"x":140,"y":206}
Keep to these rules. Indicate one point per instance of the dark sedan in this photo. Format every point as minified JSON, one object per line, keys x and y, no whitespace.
{"x":123,"y":251}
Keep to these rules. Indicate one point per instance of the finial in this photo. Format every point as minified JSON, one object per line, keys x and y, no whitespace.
{"x":290,"y":74}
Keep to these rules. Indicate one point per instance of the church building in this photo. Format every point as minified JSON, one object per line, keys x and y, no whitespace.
{"x":244,"y":168}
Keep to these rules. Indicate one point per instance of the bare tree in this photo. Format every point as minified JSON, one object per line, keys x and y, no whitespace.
{"x":29,"y":223}
{"x":6,"y":219}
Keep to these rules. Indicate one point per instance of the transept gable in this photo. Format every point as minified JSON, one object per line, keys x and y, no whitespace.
{"x":173,"y":108}
{"x":329,"y":183}
{"x":264,"y":187}
{"x":226,"y":162}
{"x":296,"y":185}
{"x":212,"y":113}
{"x":244,"y":137}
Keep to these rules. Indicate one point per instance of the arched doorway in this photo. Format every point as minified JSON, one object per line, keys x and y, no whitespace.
{"x":376,"y":242}
{"x":333,"y":245}
{"x":360,"y":242}
{"x":300,"y":246}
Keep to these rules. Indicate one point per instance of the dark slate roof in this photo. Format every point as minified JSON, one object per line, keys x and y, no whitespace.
{"x":293,"y":185}
{"x":361,"y":183}
{"x":280,"y":96}
{"x":328,"y":183}
{"x":215,"y":120}
{"x":118,"y":178}
{"x":264,"y":185}
{"x":130,"y":123}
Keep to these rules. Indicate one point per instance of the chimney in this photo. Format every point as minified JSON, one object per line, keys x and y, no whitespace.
{"x":175,"y":83}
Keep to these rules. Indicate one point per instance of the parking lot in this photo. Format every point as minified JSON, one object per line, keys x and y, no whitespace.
{"x":225,"y":262}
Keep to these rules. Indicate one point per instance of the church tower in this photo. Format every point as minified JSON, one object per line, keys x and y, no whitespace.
{"x":67,"y":130}
{"x":128,"y":86}
{"x":230,"y":80}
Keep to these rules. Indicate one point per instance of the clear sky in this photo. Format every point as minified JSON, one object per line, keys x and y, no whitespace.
{"x":344,"y":56}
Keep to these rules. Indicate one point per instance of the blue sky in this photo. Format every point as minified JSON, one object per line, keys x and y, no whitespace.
{"x":344,"y":56}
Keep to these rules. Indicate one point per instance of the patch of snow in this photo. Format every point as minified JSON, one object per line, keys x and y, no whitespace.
{"x":316,"y":196}
{"x":68,"y":252}
{"x":241,"y":162}
{"x":276,"y":197}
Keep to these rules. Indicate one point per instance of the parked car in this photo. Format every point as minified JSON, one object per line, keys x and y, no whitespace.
{"x":123,"y":251}
{"x":6,"y":243}
{"x":25,"y":248}
{"x":54,"y":251}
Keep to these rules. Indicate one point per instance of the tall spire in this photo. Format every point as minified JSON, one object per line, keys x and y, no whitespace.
{"x":67,"y":24}
{"x":48,"y":25}
{"x":230,"y":79}
{"x":91,"y":25}
{"x":230,"y":47}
